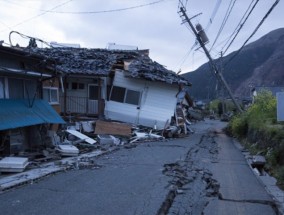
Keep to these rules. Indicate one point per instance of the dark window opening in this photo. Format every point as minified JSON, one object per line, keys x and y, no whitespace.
{"x":81,"y":86}
{"x":132,"y":97}
{"x":77,"y":86}
{"x":93,"y":92}
{"x":123,"y":95}
{"x":74,"y":86}
{"x":117,"y":94}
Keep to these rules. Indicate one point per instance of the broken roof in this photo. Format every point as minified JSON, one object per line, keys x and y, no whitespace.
{"x":101,"y":62}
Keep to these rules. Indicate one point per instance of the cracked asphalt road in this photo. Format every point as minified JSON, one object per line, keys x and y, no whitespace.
{"x":200,"y":174}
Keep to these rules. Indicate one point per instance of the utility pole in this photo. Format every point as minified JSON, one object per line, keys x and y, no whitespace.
{"x":202,"y":38}
{"x":222,"y":89}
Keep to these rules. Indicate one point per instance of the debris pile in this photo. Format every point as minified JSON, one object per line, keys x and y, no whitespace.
{"x":76,"y":138}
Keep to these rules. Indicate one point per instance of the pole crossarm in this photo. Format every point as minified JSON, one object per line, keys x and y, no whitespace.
{"x":216,"y":72}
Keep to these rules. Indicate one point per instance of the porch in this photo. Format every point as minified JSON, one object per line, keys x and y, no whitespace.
{"x":78,"y":105}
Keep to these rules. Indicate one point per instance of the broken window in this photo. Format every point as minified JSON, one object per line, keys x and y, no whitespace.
{"x":123,"y":95}
{"x":50,"y":94}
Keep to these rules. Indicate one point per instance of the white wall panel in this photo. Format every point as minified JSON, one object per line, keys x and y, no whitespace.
{"x":280,"y":106}
{"x":158,"y":102}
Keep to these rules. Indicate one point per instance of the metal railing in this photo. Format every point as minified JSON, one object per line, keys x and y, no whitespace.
{"x":74,"y":104}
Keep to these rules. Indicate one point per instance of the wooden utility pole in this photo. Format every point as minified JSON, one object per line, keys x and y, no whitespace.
{"x":214,"y":67}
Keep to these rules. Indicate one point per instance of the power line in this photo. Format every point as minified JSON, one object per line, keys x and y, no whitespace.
{"x":253,"y":33}
{"x":103,"y":11}
{"x":240,"y":26}
{"x":26,"y":37}
{"x":41,"y":14}
{"x":5,"y":25}
{"x":228,"y":13}
{"x":215,"y":10}
{"x":217,"y":5}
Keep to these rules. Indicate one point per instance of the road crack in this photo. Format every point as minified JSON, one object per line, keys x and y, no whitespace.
{"x":191,"y":185}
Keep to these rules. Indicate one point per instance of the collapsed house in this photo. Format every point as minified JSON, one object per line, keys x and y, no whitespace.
{"x":121,"y":85}
{"x":110,"y":86}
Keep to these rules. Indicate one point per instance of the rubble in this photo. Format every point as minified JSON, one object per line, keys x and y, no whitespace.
{"x":143,"y":136}
{"x":13,"y":164}
{"x":68,"y":150}
{"x":98,"y":137}
{"x":81,"y":136}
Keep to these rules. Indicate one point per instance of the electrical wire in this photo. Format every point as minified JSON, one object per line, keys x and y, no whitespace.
{"x":41,"y":14}
{"x":103,"y":11}
{"x":5,"y":25}
{"x":240,"y":26}
{"x":253,"y":33}
{"x":215,"y":10}
{"x":26,"y":37}
{"x":226,"y":17}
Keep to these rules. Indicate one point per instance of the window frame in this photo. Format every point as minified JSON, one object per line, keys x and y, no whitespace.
{"x":49,"y":94}
{"x":77,"y":86}
{"x":125,"y":95}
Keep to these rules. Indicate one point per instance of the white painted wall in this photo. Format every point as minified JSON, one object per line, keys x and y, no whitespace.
{"x":157,"y":105}
{"x":280,"y":106}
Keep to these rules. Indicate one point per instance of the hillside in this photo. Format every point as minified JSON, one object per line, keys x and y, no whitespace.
{"x":260,"y":63}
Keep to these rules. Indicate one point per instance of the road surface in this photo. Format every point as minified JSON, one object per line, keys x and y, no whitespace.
{"x":203,"y":173}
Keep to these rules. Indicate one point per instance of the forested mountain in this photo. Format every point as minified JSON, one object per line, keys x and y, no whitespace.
{"x":260,"y":63}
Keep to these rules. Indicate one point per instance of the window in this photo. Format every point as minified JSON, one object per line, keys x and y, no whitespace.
{"x":77,"y":86}
{"x":93,"y":92}
{"x":132,"y":97}
{"x":123,"y":95}
{"x":30,"y":88}
{"x":50,"y":94}
{"x":2,"y":89}
{"x":117,"y":94}
{"x":16,"y":88}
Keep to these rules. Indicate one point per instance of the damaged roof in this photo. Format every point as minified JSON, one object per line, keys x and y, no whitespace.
{"x":101,"y":62}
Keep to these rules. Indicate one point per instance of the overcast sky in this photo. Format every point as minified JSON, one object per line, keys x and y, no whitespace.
{"x":148,"y":24}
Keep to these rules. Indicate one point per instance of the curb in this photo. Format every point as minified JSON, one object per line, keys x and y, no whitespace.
{"x":44,"y":170}
{"x":267,"y":181}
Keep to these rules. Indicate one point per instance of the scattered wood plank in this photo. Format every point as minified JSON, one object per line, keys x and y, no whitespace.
{"x":81,"y":136}
{"x":113,"y":128}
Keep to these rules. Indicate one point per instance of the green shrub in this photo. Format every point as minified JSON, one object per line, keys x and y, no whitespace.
{"x":280,"y":176}
{"x":259,"y":131}
{"x":239,"y":126}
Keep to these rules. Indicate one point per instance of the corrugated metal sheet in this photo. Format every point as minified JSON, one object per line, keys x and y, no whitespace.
{"x":15,"y":113}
